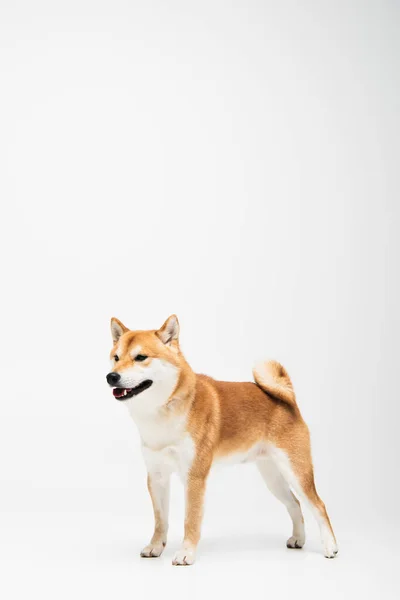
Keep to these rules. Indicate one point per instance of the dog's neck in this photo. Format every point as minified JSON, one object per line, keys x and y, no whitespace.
{"x":183,"y":395}
{"x":162,"y":421}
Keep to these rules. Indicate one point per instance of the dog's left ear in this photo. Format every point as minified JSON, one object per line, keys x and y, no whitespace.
{"x":117,"y":329}
{"x":169,"y":331}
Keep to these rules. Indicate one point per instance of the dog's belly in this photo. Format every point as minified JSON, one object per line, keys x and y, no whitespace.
{"x":178,"y":458}
{"x":256,"y":452}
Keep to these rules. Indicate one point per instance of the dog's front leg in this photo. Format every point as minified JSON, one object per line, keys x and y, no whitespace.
{"x":158,"y":484}
{"x":195,"y":489}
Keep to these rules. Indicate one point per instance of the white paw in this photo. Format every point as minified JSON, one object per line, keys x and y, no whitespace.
{"x":330,"y":549}
{"x":184,"y":556}
{"x":153,"y":550}
{"x":296,"y":541}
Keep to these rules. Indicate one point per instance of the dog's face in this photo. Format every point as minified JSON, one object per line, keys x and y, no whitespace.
{"x":145,"y":365}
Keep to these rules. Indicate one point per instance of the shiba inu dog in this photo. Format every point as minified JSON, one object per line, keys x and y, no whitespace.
{"x":188,"y":421}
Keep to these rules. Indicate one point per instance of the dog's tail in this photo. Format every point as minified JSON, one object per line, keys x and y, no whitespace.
{"x":271,"y":377}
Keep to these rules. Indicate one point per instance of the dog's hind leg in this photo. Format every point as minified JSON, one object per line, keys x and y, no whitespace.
{"x":280,"y":489}
{"x":305,"y":487}
{"x":297,"y":469}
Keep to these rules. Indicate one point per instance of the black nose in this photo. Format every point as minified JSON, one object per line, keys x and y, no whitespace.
{"x":113,"y":378}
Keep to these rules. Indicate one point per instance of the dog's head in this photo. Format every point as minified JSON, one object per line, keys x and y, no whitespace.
{"x":145,"y":363}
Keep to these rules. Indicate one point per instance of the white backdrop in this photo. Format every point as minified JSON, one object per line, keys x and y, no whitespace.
{"x":235,"y":163}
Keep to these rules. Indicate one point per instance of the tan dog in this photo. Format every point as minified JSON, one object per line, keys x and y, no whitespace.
{"x":187,"y":422}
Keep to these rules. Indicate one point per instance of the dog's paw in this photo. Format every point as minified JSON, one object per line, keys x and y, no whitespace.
{"x":330,"y":549}
{"x":295,"y":541}
{"x":153,"y":550}
{"x":184,"y":556}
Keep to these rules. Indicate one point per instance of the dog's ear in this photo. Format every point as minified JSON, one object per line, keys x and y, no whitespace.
{"x":169,"y":331}
{"x":117,"y":329}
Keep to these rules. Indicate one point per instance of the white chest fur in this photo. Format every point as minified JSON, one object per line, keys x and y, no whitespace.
{"x":166,"y":445}
{"x":175,"y":458}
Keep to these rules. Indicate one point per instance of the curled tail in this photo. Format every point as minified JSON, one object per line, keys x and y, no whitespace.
{"x":274,"y":379}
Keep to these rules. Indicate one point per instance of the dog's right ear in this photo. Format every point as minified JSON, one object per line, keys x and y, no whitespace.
{"x":117,"y":329}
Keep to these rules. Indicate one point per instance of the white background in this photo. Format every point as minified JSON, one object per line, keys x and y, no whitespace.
{"x":235,"y":163}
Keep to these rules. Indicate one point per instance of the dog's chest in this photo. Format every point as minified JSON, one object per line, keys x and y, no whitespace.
{"x":166,"y":446}
{"x":175,"y":458}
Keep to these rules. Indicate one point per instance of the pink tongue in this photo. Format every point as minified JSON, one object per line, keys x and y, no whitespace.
{"x":119,"y":392}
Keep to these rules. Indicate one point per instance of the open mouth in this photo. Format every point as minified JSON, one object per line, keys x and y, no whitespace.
{"x":121,"y":393}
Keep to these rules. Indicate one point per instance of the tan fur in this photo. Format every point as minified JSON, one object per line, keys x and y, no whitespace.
{"x":224,"y":418}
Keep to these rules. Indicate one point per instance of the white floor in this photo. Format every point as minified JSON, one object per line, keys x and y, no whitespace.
{"x":94,"y":553}
{"x":75,"y":513}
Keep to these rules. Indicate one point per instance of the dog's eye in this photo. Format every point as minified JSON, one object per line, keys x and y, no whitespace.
{"x":116,"y":357}
{"x":140,"y":357}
